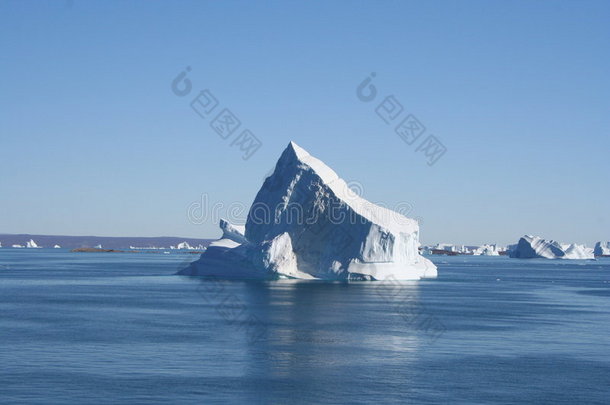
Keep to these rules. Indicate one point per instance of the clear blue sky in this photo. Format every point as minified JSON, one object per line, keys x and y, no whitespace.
{"x":93,"y":141}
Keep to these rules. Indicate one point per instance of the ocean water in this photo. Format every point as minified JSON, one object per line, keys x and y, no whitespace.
{"x":120,"y":327}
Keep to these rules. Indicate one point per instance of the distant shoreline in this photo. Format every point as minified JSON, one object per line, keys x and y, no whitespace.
{"x":97,"y":250}
{"x":104,"y":242}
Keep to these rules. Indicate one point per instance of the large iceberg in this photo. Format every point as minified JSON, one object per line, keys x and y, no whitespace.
{"x":535,"y":247}
{"x":306,"y":223}
{"x":602,"y":249}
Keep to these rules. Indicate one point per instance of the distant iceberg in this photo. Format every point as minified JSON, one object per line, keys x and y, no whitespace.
{"x":487,"y":250}
{"x":602,"y":249}
{"x":56,"y":247}
{"x":31,"y":244}
{"x":445,"y":249}
{"x":535,"y":247}
{"x":306,"y":223}
{"x":448,"y":247}
{"x":453,"y":250}
{"x":184,"y":245}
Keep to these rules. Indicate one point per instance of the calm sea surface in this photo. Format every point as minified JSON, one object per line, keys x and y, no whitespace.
{"x":120,"y":327}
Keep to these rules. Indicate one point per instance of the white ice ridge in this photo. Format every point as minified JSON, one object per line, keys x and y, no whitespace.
{"x":235,"y":233}
{"x":306,"y":223}
{"x":535,"y":247}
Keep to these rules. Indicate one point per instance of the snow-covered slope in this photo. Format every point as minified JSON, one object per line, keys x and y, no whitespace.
{"x":602,"y":249}
{"x":535,"y":247}
{"x":305,"y":222}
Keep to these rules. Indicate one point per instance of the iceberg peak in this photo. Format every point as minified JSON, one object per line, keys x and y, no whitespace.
{"x":298,"y":152}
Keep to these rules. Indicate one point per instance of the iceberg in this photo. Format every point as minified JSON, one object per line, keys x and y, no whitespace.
{"x":602,"y":249}
{"x":535,"y":247}
{"x":443,"y":249}
{"x":31,"y":244}
{"x":306,"y":223}
{"x":56,"y":247}
{"x":447,"y":247}
{"x":486,"y":250}
{"x":184,"y":245}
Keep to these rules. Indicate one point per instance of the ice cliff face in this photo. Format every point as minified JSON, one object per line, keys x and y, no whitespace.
{"x":305,"y":222}
{"x":602,"y":249}
{"x":535,"y":247}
